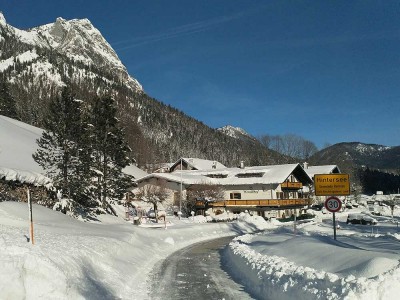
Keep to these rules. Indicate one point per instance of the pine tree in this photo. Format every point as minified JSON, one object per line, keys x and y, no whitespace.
{"x":7,"y":102}
{"x":59,"y":146}
{"x":109,"y":151}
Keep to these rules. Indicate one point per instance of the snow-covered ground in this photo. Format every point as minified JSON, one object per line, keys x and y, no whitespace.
{"x":307,"y":263}
{"x":112,"y":258}
{"x":71,"y":259}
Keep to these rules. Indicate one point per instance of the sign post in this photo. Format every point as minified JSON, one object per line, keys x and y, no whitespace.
{"x":332,"y":185}
{"x":333,"y":204}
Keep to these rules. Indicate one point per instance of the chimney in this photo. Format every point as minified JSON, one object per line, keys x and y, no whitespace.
{"x":242,"y":164}
{"x":214,"y":165}
{"x":305,"y":165}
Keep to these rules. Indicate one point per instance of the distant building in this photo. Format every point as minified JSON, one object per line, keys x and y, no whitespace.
{"x":325,"y":169}
{"x":196,"y":164}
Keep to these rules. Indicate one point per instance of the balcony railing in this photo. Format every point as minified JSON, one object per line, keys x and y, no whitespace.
{"x":255,"y":203}
{"x":291,"y":185}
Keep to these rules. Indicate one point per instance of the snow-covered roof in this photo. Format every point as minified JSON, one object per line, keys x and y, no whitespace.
{"x":25,"y":177}
{"x":17,"y":144}
{"x":200,"y":164}
{"x":134,"y":171}
{"x":326,"y":169}
{"x":274,"y":174}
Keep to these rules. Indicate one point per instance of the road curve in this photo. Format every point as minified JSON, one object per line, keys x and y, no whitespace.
{"x":195,"y":273}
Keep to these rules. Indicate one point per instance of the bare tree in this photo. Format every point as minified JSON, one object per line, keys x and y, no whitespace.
{"x":265,"y":140}
{"x":291,"y":145}
{"x":308,"y":149}
{"x":204,"y":192}
{"x":154,"y":194}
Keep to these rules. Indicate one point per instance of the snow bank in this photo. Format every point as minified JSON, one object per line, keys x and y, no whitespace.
{"x":280,"y":265}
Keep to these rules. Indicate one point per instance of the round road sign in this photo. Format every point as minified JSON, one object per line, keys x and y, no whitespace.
{"x":333,"y":204}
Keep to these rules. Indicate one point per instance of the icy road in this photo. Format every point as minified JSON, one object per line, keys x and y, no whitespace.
{"x":195,"y":272}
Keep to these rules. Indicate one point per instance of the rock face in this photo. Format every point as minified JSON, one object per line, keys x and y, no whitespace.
{"x":78,"y":40}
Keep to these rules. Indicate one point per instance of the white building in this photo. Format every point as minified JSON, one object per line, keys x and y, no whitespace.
{"x":260,"y":188}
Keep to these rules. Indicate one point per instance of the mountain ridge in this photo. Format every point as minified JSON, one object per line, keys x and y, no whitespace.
{"x":35,"y":68}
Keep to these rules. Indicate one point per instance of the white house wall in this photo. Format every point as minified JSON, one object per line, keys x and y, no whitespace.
{"x":253,"y":192}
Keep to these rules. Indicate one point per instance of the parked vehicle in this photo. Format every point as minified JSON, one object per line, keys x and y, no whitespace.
{"x":317,"y":207}
{"x":361,"y":219}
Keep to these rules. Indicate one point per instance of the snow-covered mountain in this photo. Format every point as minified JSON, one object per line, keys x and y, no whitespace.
{"x":237,"y":133}
{"x":360,"y":155}
{"x":371,"y":167}
{"x":77,"y":39}
{"x":35,"y":64}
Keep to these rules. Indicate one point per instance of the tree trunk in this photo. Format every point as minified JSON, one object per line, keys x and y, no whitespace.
{"x":155,"y":211}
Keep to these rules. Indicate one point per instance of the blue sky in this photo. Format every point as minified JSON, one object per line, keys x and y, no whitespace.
{"x":328,"y":71}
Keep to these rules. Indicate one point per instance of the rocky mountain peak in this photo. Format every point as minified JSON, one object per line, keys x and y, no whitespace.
{"x":78,"y":40}
{"x":234,"y":132}
{"x":2,"y":19}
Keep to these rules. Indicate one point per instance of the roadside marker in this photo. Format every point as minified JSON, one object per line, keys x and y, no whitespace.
{"x":30,"y":216}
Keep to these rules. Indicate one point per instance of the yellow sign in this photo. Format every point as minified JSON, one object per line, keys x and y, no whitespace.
{"x":332,"y":184}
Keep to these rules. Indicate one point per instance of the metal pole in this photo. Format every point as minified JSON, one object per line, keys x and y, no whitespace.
{"x":30,"y":216}
{"x":334,"y":226}
{"x":180,"y":195}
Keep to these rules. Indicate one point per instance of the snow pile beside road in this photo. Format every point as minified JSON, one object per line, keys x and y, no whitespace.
{"x":279,"y":265}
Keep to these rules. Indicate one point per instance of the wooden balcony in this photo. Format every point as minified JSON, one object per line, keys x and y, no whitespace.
{"x":291,"y":185}
{"x":265,"y":203}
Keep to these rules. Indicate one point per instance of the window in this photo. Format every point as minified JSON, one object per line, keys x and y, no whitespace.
{"x":176,"y":198}
{"x":249,"y":175}
{"x":217,"y":175}
{"x":235,"y":195}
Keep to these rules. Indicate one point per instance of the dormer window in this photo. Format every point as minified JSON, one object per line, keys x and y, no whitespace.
{"x":217,"y":175}
{"x":249,"y":175}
